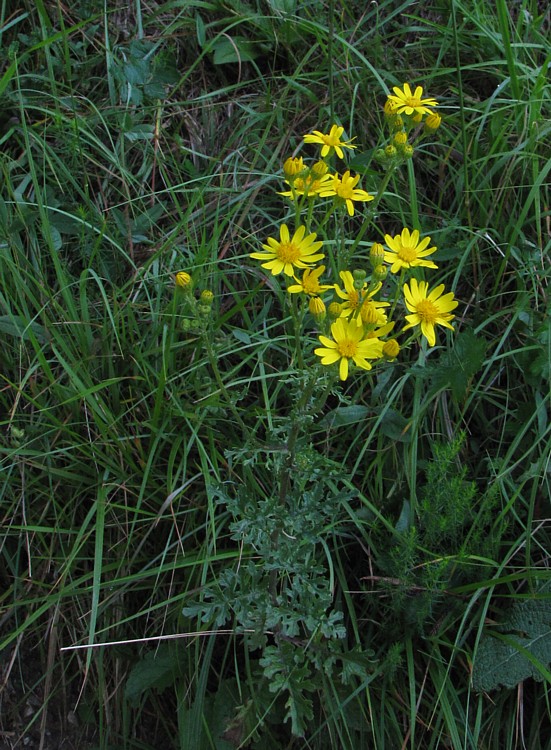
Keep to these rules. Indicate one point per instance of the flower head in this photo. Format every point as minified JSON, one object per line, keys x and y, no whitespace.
{"x":352,"y":297}
{"x":288,"y":252}
{"x":348,"y":343}
{"x":183,"y":279}
{"x":428,"y":309}
{"x":371,"y":312}
{"x":407,"y":252}
{"x":433,"y":121}
{"x":317,"y":307}
{"x":345,"y":188}
{"x":309,"y":185}
{"x":406,"y":102}
{"x":310,"y":283}
{"x":293,"y":166}
{"x":329,"y":141}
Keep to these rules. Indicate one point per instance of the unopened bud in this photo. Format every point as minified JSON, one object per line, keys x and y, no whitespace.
{"x":319,"y":170}
{"x":293,"y":166}
{"x":391,"y":349}
{"x":376,"y":254}
{"x":390,"y":151}
{"x":400,"y":138}
{"x":369,"y":313}
{"x":183,"y":280}
{"x":317,"y":307}
{"x":334,"y":310}
{"x":206,"y":297}
{"x":380,"y":273}
{"x":433,"y":121}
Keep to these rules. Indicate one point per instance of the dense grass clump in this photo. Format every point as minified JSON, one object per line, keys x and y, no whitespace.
{"x":207,"y":539}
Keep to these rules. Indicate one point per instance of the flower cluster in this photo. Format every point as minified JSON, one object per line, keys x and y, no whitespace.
{"x":195,"y":313}
{"x":405,"y":111}
{"x":354,"y":311}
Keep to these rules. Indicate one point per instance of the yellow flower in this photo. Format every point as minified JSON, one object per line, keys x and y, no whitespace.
{"x":371,"y":312}
{"x":317,"y":307}
{"x":348,"y":343}
{"x":183,"y":279}
{"x":345,"y":188}
{"x":293,"y":166}
{"x":433,"y":121}
{"x":288,"y":252}
{"x":410,"y":103}
{"x":352,"y":297}
{"x":428,"y":308}
{"x":391,"y":349}
{"x":309,"y":185}
{"x":407,"y":252}
{"x":329,"y":141}
{"x":310,"y":283}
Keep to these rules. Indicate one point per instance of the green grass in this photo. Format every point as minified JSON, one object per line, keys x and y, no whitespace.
{"x":140,"y":140}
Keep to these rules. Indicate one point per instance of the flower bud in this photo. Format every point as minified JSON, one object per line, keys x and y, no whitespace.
{"x":391,"y":349}
{"x":292,"y":166}
{"x":317,"y":307}
{"x":389,"y":108}
{"x":380,"y":156}
{"x":397,"y":123}
{"x":334,"y":310}
{"x":376,"y":254}
{"x":369,"y":313}
{"x":390,"y":151}
{"x":407,"y":151}
{"x":417,"y":117}
{"x":400,"y":138}
{"x":380,"y":273}
{"x":206,"y":297}
{"x":433,"y":121}
{"x":183,"y":280}
{"x":319,"y":170}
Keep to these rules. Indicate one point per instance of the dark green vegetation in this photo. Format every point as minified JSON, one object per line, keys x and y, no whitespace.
{"x":142,"y":465}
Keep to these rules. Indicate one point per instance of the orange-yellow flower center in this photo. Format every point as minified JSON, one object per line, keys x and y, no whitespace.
{"x":348,"y":347}
{"x":427,"y":311}
{"x":413,"y":101}
{"x":407,"y":253}
{"x":288,"y":252}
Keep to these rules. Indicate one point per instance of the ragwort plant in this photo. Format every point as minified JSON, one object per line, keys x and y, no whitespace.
{"x":352,"y":306}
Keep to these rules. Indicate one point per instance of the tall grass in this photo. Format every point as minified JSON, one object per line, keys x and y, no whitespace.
{"x":141,"y":139}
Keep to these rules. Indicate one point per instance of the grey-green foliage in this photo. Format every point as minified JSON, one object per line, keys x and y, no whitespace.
{"x":280,"y":593}
{"x":517,"y":648}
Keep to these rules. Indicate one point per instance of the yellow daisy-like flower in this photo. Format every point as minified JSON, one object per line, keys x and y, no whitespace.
{"x":352,"y":297}
{"x":348,"y":343}
{"x":345,"y":188}
{"x":406,"y":102}
{"x":309,"y":185}
{"x":288,"y":252}
{"x":428,"y":309}
{"x":329,"y":141}
{"x":310,"y":283}
{"x":407,"y":252}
